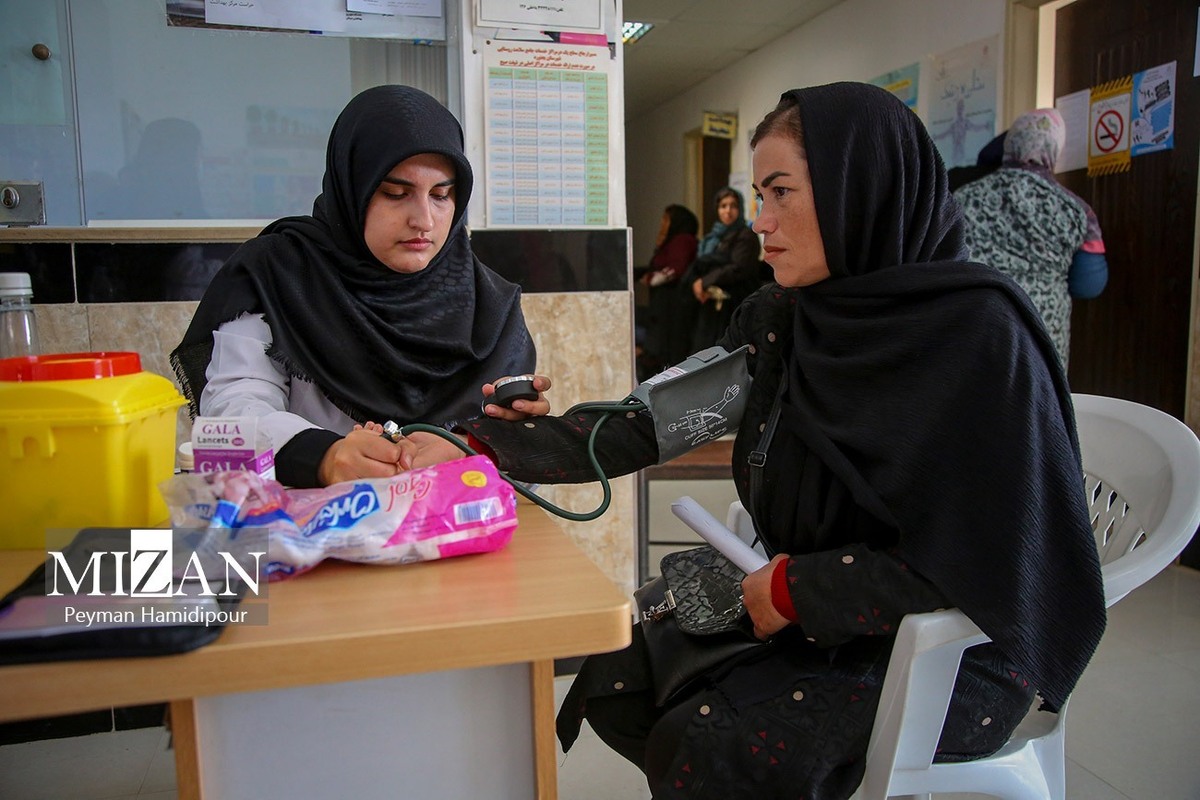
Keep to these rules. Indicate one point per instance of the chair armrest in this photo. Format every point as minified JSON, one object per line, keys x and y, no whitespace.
{"x":916,"y":693}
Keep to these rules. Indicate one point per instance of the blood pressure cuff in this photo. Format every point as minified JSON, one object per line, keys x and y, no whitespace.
{"x":696,"y":401}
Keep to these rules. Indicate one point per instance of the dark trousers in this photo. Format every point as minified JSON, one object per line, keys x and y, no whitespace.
{"x":639,"y":731}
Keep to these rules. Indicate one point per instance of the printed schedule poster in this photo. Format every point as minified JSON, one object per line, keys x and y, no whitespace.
{"x":547,"y":137}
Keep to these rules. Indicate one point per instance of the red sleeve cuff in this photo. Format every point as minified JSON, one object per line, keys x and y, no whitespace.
{"x":481,"y":448}
{"x":781,"y":598}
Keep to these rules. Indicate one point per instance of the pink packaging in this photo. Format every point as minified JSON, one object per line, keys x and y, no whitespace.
{"x":452,"y":509}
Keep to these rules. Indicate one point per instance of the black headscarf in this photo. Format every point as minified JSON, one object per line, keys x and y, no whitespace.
{"x":379,"y":344}
{"x":680,"y":219}
{"x":930,"y":388}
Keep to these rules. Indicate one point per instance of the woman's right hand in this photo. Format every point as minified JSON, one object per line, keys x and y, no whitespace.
{"x":756,"y":595}
{"x":699,"y":291}
{"x":521,"y":409}
{"x":363,"y":453}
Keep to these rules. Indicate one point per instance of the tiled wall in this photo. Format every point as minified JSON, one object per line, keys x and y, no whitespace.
{"x":135,"y":296}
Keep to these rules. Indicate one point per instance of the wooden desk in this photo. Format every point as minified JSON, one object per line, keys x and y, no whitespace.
{"x":538,"y":599}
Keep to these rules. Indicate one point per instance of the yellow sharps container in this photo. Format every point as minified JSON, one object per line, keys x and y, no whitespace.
{"x":85,"y":439}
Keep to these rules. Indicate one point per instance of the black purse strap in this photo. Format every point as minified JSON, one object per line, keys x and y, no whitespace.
{"x":758,"y":462}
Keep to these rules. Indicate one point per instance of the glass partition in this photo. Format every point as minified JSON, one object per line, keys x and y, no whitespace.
{"x":184,"y":123}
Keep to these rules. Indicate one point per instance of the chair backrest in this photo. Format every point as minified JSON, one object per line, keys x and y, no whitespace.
{"x":1143,"y":484}
{"x":1142,"y":470}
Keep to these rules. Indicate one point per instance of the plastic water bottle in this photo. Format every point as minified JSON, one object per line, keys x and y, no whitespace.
{"x":18,"y":327}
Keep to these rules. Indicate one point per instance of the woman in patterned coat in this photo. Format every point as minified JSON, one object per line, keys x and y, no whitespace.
{"x":1023,"y":223}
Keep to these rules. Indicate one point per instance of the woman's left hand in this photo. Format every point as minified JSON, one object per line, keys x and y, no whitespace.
{"x":699,"y":291}
{"x":521,"y":409}
{"x":756,"y":595}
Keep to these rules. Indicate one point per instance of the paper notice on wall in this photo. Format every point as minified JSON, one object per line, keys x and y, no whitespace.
{"x":962,"y":101}
{"x":1074,"y":110}
{"x":1196,"y":62}
{"x":1153,"y":126}
{"x":901,"y":82}
{"x":547,"y":134}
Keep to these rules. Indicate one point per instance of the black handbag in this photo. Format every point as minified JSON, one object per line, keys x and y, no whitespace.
{"x":693,"y":619}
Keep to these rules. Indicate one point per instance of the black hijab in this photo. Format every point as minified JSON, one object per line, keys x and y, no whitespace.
{"x":379,"y":344}
{"x":680,"y":219}
{"x":928,"y":386}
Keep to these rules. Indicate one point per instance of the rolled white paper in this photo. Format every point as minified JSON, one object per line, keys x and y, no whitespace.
{"x":695,"y":517}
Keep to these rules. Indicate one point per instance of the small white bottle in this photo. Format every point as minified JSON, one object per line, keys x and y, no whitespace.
{"x":18,"y":326}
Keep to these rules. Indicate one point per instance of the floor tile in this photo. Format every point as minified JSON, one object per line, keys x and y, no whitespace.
{"x":160,"y":775}
{"x":1132,"y":721}
{"x":592,"y":771}
{"x":96,"y":767}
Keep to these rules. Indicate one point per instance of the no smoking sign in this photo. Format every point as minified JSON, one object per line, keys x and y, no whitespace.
{"x":1110,"y":128}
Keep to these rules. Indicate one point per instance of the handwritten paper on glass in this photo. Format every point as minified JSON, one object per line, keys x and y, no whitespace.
{"x":313,"y":16}
{"x":583,"y":16}
{"x":546,"y":146}
{"x":410,"y":8}
{"x":321,"y":16}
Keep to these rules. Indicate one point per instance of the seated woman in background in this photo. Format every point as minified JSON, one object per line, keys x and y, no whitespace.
{"x":887,"y":467}
{"x":724,"y":273}
{"x":674,"y":252}
{"x":373,"y":308}
{"x":1021,"y":221}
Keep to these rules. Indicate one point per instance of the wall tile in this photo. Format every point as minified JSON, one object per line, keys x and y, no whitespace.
{"x":151,"y":329}
{"x":584,"y":344}
{"x":125,"y":272}
{"x":48,"y":265}
{"x":540,"y":260}
{"x":62,"y":328}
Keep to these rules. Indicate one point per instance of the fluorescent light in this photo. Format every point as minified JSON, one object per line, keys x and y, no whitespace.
{"x":632,"y":31}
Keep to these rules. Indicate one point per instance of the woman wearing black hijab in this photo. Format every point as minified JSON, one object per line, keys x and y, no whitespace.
{"x":374,"y":308}
{"x":924,"y":455}
{"x":726,"y":270}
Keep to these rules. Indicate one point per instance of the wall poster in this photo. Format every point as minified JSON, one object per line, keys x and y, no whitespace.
{"x":901,"y":82}
{"x":546,"y":137}
{"x":1074,"y":110}
{"x":1108,"y":145}
{"x":962,"y":103}
{"x":1153,"y":126}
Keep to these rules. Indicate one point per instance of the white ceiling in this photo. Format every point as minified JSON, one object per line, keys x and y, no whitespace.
{"x":695,"y":39}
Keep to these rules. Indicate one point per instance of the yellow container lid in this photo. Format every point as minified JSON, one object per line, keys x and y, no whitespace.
{"x":81,"y":389}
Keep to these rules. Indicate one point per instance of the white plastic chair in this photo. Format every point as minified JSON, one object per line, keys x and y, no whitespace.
{"x":1142,"y":470}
